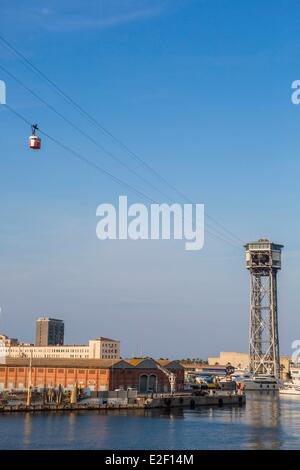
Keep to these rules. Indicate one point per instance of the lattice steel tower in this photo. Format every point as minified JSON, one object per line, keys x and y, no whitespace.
{"x":263,"y":259}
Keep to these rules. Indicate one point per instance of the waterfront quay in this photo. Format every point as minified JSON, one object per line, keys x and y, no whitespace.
{"x":52,"y":385}
{"x":164,"y":401}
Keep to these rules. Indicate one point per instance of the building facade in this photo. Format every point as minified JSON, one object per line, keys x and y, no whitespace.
{"x":49,"y":332}
{"x":146,"y":375}
{"x":6,"y":341}
{"x":99,"y":348}
{"x":241,"y":360}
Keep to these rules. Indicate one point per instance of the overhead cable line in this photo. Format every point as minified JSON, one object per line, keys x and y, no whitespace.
{"x":78,"y":129}
{"x":112,"y":136}
{"x":99,"y":168}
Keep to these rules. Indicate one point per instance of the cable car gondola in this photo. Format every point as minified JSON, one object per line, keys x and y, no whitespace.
{"x":34,"y":140}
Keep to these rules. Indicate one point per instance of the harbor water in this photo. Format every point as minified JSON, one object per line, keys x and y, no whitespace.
{"x":267,"y":421}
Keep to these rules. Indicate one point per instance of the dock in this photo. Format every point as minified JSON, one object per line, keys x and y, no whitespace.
{"x":164,"y":402}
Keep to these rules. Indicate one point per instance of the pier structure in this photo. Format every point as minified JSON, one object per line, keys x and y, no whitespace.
{"x":263,"y":260}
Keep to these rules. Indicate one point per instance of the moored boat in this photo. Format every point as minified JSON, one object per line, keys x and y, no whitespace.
{"x":290,"y":388}
{"x":261,"y":382}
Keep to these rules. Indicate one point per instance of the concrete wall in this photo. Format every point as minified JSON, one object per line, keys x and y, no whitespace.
{"x":236,"y":359}
{"x":193,"y":401}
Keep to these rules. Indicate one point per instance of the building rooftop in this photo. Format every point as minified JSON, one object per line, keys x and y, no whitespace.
{"x":21,"y":345}
{"x":48,"y":319}
{"x":263,"y":243}
{"x":102,"y":338}
{"x":194,"y":365}
{"x":138,"y":361}
{"x":65,"y":363}
{"x":86,"y":363}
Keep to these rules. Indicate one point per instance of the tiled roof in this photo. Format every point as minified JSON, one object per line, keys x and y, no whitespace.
{"x":141,"y":363}
{"x":52,"y":362}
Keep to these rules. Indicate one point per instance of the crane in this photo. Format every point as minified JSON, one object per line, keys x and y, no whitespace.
{"x":171,"y":376}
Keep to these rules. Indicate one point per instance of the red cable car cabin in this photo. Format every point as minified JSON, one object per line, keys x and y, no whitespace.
{"x":34,"y":141}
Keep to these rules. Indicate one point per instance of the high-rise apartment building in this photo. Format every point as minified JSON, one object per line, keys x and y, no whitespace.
{"x":49,"y":332}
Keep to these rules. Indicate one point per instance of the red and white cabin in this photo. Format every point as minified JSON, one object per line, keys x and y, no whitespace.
{"x":34,"y":142}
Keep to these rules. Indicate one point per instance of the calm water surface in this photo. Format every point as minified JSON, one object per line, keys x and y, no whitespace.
{"x":266,"y":422}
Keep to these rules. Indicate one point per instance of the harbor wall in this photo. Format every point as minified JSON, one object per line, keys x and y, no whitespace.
{"x":139,"y":403}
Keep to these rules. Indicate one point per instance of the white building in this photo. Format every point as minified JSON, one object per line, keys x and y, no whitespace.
{"x":99,"y":348}
{"x":6,"y":341}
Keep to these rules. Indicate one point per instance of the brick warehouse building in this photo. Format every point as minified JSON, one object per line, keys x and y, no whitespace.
{"x":95,"y":374}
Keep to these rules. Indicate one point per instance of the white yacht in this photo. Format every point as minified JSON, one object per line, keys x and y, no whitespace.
{"x":261,"y":382}
{"x":240,"y":375}
{"x":290,"y":388}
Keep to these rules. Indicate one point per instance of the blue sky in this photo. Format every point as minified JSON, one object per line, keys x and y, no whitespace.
{"x":201,"y":91}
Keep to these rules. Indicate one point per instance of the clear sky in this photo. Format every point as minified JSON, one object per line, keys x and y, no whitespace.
{"x":201,"y":90}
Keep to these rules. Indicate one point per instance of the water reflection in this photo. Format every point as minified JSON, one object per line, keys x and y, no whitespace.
{"x":263,"y":413}
{"x":27,"y":430}
{"x":268,"y":421}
